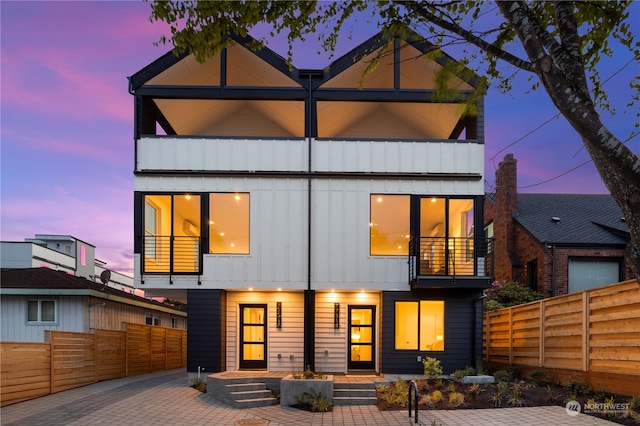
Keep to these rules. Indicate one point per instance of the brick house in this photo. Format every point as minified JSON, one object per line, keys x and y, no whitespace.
{"x":554,"y":243}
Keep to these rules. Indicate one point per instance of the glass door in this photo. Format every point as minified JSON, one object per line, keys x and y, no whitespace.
{"x":361,"y":347}
{"x":253,"y":336}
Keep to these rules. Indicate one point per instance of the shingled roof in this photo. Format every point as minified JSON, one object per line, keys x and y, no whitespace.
{"x":50,"y":282}
{"x":573,"y":219}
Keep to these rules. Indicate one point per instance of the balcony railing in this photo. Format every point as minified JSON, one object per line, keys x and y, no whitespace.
{"x":169,"y":255}
{"x":454,"y":256}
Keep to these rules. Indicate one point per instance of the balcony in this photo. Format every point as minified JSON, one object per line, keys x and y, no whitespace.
{"x":440,"y":262}
{"x":171,"y":255}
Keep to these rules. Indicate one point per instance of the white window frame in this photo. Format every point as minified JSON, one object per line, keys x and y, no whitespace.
{"x":39,"y":321}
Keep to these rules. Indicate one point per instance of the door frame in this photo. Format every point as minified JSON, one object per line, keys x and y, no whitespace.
{"x":252,"y":364}
{"x":361,"y":365}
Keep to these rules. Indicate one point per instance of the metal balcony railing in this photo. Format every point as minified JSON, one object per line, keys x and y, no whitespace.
{"x":167,"y":254}
{"x":449,"y":256}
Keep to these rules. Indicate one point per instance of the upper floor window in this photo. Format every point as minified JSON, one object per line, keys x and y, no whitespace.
{"x":229,"y":223}
{"x":389,"y":225}
{"x":41,"y":311}
{"x":172,"y":233}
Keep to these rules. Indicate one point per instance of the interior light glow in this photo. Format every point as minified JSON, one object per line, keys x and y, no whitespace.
{"x":237,"y":197}
{"x":379,"y":199}
{"x":188,"y":197}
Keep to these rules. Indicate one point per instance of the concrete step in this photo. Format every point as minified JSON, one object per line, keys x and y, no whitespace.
{"x":239,"y":387}
{"x":354,"y":400}
{"x":356,"y":385}
{"x":254,"y":402}
{"x":367,"y":393}
{"x":250,"y":394}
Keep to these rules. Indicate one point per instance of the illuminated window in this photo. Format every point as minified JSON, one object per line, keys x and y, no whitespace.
{"x":389,"y":225}
{"x":172,"y":233}
{"x":420,"y":325}
{"x":41,"y":311}
{"x":229,"y":223}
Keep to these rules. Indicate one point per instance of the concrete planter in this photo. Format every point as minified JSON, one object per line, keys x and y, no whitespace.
{"x":291,"y":388}
{"x":478,"y":379}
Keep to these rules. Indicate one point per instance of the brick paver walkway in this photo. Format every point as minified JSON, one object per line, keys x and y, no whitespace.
{"x":165,"y":398}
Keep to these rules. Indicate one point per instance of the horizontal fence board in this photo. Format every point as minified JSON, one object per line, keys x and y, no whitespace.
{"x":77,"y":359}
{"x":594,"y":332}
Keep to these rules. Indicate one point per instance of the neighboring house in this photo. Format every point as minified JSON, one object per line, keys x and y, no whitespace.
{"x":312,"y":218}
{"x":554,"y":243}
{"x":62,"y":253}
{"x":33,"y":300}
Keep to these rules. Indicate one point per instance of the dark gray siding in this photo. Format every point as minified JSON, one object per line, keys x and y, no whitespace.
{"x":206,"y":310}
{"x":459,"y":324}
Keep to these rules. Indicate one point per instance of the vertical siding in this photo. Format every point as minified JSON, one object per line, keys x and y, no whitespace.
{"x":70,"y":311}
{"x":334,"y":341}
{"x":287,"y":341}
{"x":205,"y":338}
{"x":74,"y":314}
{"x":458,"y":323}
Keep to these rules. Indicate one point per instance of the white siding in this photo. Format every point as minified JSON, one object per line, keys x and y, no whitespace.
{"x":396,"y":156}
{"x":70,"y":315}
{"x":327,"y":155}
{"x":278,"y":235}
{"x":222,"y":154}
{"x":333,"y":341}
{"x":286,"y":341}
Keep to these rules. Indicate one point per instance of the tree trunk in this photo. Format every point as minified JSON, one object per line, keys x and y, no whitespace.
{"x":618,"y":167}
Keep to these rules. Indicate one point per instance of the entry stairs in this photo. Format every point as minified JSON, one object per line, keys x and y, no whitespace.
{"x":250,"y":390}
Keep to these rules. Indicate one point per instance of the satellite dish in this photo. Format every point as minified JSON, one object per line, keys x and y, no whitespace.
{"x":105,"y":276}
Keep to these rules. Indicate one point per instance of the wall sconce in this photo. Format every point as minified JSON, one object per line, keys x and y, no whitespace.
{"x":278,"y":314}
{"x":336,"y":316}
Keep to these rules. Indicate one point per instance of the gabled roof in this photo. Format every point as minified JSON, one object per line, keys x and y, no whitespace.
{"x":572,"y":219}
{"x":48,"y":282}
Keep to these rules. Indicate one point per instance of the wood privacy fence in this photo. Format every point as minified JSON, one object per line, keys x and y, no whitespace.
{"x":593,"y":336}
{"x":68,"y":360}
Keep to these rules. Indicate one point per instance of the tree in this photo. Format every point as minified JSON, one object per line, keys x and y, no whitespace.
{"x":559,"y":44}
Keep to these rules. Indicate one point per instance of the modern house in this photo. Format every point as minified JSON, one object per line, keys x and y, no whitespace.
{"x":313,"y":218}
{"x":554,"y":243}
{"x":61,"y":253}
{"x":33,"y":300}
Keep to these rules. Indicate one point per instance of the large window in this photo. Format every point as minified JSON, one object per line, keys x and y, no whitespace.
{"x":172,"y":233}
{"x":419,"y":325}
{"x":41,"y":311}
{"x":446,"y":243}
{"x":229,"y":223}
{"x":389,"y":225}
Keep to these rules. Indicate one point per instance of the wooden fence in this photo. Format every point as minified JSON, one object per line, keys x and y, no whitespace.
{"x":593,"y":335}
{"x":68,"y":360}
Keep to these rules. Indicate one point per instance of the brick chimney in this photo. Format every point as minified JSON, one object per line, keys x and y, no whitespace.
{"x":506,"y":206}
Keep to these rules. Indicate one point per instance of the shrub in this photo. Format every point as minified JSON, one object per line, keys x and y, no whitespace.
{"x":458,"y":375}
{"x":436,"y":396}
{"x":456,"y":399}
{"x":503,"y":375}
{"x":503,"y":294}
{"x":576,"y":386}
{"x":538,"y":376}
{"x":474,"y":390}
{"x":426,"y":400}
{"x":432,"y":368}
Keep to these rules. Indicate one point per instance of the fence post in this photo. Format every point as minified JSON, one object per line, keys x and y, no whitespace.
{"x":510,"y":336}
{"x":542,"y":318}
{"x":585,"y":330}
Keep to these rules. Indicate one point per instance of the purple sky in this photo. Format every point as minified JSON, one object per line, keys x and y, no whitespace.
{"x":67,"y":121}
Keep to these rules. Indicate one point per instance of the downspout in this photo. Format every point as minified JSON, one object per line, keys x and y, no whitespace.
{"x":474,"y":325}
{"x":309,"y":297}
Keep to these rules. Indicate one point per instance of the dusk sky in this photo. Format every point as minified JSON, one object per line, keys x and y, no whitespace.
{"x":67,"y":121}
